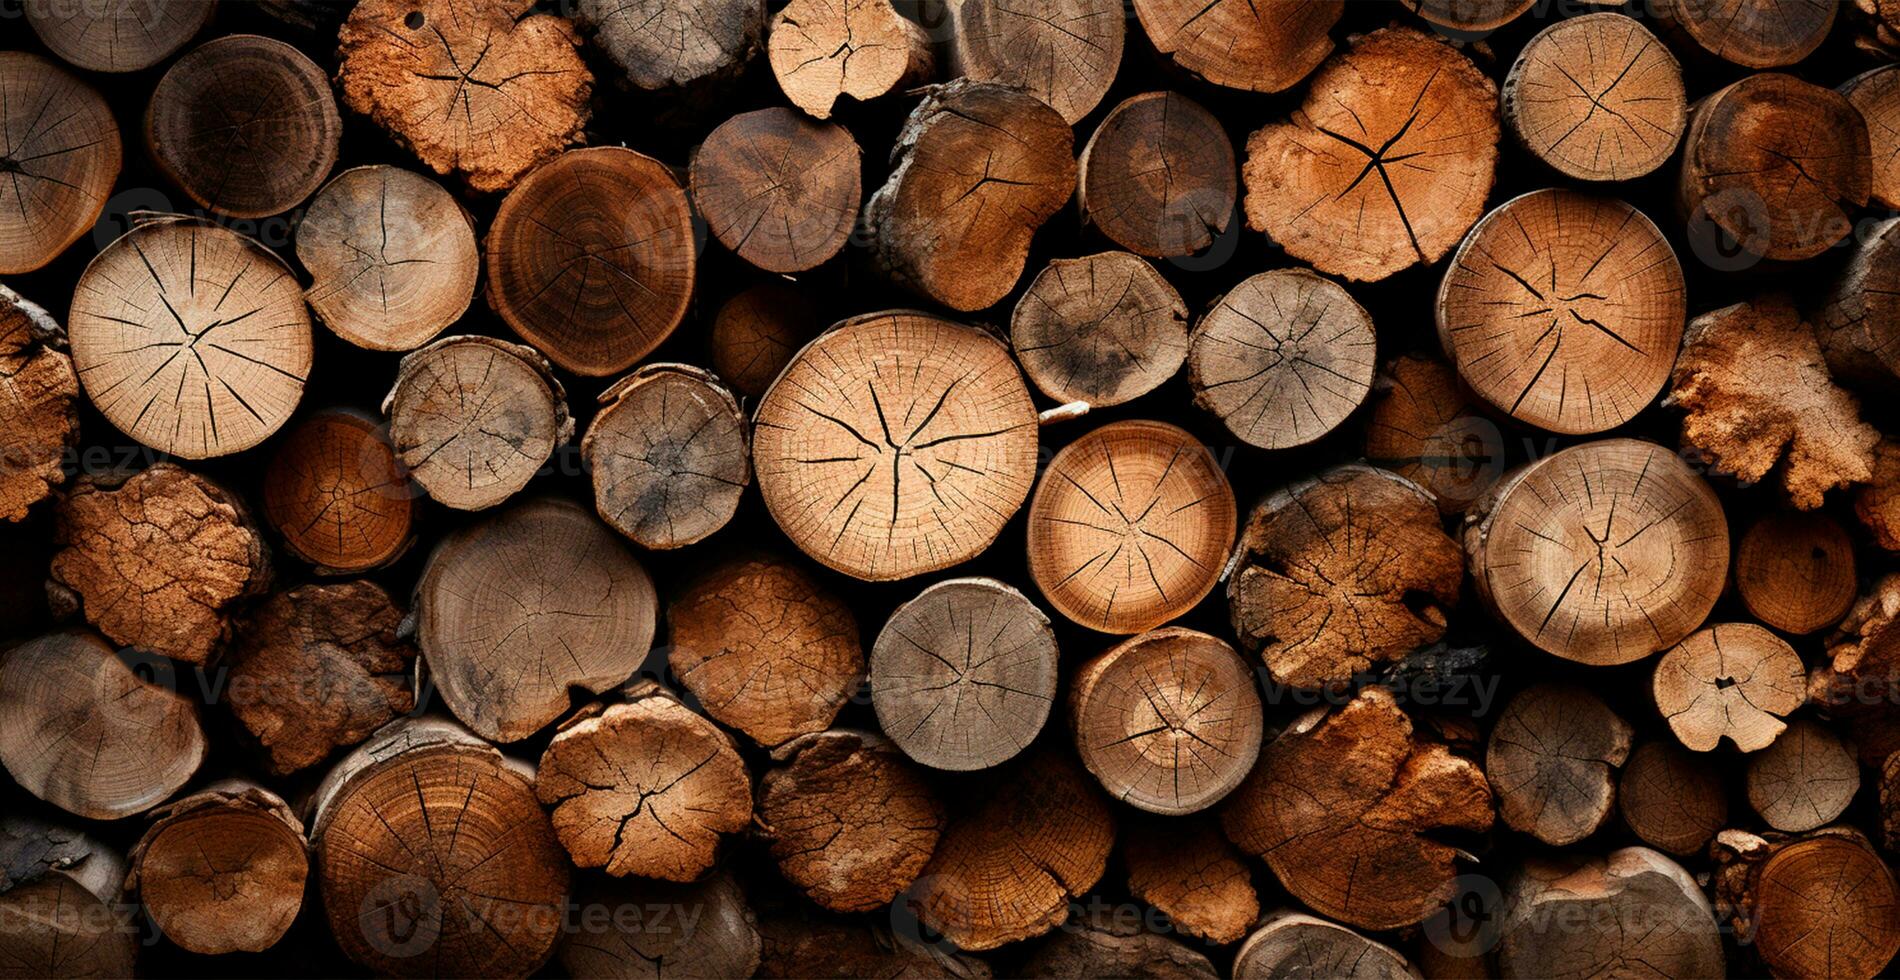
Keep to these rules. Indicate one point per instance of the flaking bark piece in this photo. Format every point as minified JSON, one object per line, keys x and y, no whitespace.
{"x":1859,"y":679}
{"x":39,"y":397}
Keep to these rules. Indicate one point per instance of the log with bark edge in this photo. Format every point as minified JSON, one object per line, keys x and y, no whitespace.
{"x":1007,"y":868}
{"x":1295,"y":944}
{"x":1857,"y":320}
{"x":1804,"y":780}
{"x":810,"y":945}
{"x":1877,"y":502}
{"x":851,"y":821}
{"x":60,"y":911}
{"x":1730,"y":680}
{"x":82,"y":731}
{"x":1168,"y":721}
{"x":1426,"y":425}
{"x":1755,"y":388}
{"x":977,"y":168}
{"x":1858,"y":681}
{"x":1345,"y":807}
{"x":731,"y":632}
{"x":895,"y":421}
{"x":262,"y":160}
{"x":1633,"y":912}
{"x":1103,"y":329}
{"x":117,"y":37}
{"x":1188,"y":870}
{"x":1753,"y":33}
{"x":667,"y":455}
{"x":755,"y":334}
{"x":1129,"y":526}
{"x":161,"y":562}
{"x":1552,"y":762}
{"x":822,"y":50}
{"x":1795,"y":571}
{"x":1240,"y":44}
{"x":473,"y":419}
{"x":1283,"y":358}
{"x":642,"y":929}
{"x":1063,"y":52}
{"x":39,"y":399}
{"x":1596,"y":97}
{"x":778,"y":189}
{"x":188,"y":371}
{"x":222,"y":870}
{"x":945,"y":701}
{"x":1386,"y":163}
{"x":521,"y":99}
{"x":317,"y":668}
{"x":61,"y":156}
{"x":644,"y":787}
{"x":1157,"y":176}
{"x":1670,"y":799}
{"x":1776,"y":165}
{"x":1353,"y":544}
{"x":432,"y":855}
{"x":1876,"y":94}
{"x":391,"y":257}
{"x":682,"y":46}
{"x":1818,"y":905}
{"x":1107,"y":944}
{"x":1579,"y":582}
{"x":337,"y":495}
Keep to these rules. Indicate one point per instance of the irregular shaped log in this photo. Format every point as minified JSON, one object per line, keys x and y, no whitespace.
{"x":1468,"y":16}
{"x":1587,"y":585}
{"x":317,"y":668}
{"x":61,"y":165}
{"x":1168,"y":721}
{"x":850,"y":820}
{"x":1354,"y":544}
{"x":811,"y":946}
{"x":676,"y":45}
{"x":1753,"y":33}
{"x":1631,"y":912}
{"x":778,"y":189}
{"x":1063,"y":52}
{"x":1552,"y":762}
{"x":821,"y":50}
{"x":1559,"y":266}
{"x":1294,"y":944}
{"x":117,"y":37}
{"x":222,"y":870}
{"x":1105,"y":945}
{"x":1102,"y":329}
{"x":1427,"y":426}
{"x":60,"y":913}
{"x":1804,"y":780}
{"x":1277,"y":372}
{"x":1123,"y":558}
{"x":1188,"y":871}
{"x":667,"y":455}
{"x":1239,"y":44}
{"x":646,"y":787}
{"x":82,"y":731}
{"x":514,"y":610}
{"x":1733,"y":680}
{"x":1824,"y":905}
{"x":1858,"y":680}
{"x":1877,"y":503}
{"x":336,"y":494}
{"x":401,"y":895}
{"x":1875,"y":95}
{"x":755,"y":334}
{"x":946,"y":453}
{"x":39,"y":404}
{"x":1856,"y":322}
{"x":731,"y":631}
{"x":473,"y":419}
{"x":1007,"y":869}
{"x":385,"y":285}
{"x":161,"y":562}
{"x":1795,"y":571}
{"x":188,"y":371}
{"x":1671,"y":799}
{"x":1775,"y":164}
{"x":1427,"y":128}
{"x":925,"y":660}
{"x":977,"y":168}
{"x":1594,"y":115}
{"x":1341,"y":806}
{"x":1157,"y":177}
{"x":522,"y":98}
{"x":641,"y":929}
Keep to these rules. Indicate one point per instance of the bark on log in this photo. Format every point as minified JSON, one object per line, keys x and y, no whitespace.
{"x":473,"y":419}
{"x":625,"y":242}
{"x":117,"y":37}
{"x":1552,"y":762}
{"x":1670,"y":799}
{"x":821,"y":50}
{"x":925,"y":661}
{"x":1859,"y":680}
{"x":39,"y":404}
{"x":1427,"y":128}
{"x":1294,"y":944}
{"x":1192,"y":874}
{"x":1239,"y":44}
{"x":1556,"y":265}
{"x":382,"y":284}
{"x":945,"y":455}
{"x":60,"y":914}
{"x":977,"y":168}
{"x":222,"y":870}
{"x":337,"y":495}
{"x":1730,"y":680}
{"x":667,"y":455}
{"x":194,"y":374}
{"x":1353,"y":544}
{"x":1795,"y":571}
{"x":82,"y":731}
{"x":1591,"y":114}
{"x":1157,"y":176}
{"x":731,"y":631}
{"x":1274,"y":370}
{"x":1822,"y":905}
{"x":523,"y":97}
{"x":1103,"y":329}
{"x":61,"y":165}
{"x":1804,"y":780}
{"x":1859,"y":320}
{"x":1063,"y":52}
{"x":653,"y":930}
{"x":1877,"y":502}
{"x":1105,"y":945}
{"x":1427,"y":426}
{"x":403,"y":896}
{"x":1633,"y":912}
{"x":514,"y":610}
{"x":780,"y":190}
{"x":1752,"y":33}
{"x":755,"y":334}
{"x":645,"y":788}
{"x":1876,"y":94}
{"x":686,"y":47}
{"x":1587,"y":585}
{"x":851,"y":822}
{"x":161,"y":562}
{"x":811,"y":946}
{"x":1342,"y":806}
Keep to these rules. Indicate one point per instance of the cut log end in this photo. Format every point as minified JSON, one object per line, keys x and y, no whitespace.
{"x":1254,"y":47}
{"x":60,"y":909}
{"x":1294,"y":944}
{"x":680,"y":47}
{"x":1732,"y":680}
{"x":1804,"y":780}
{"x":338,"y":496}
{"x":755,"y":334}
{"x":1752,"y":33}
{"x":117,"y":37}
{"x":1552,"y":762}
{"x":1644,"y":912}
{"x":667,"y":453}
{"x":1102,"y":329}
{"x":1824,"y":904}
{"x":1427,"y":426}
{"x":1590,"y":113}
{"x":780,"y":190}
{"x":1191,"y":873}
{"x":62,"y":163}
{"x":1157,"y":177}
{"x":823,"y":50}
{"x":642,"y":929}
{"x":1795,"y":571}
{"x":222,"y":870}
{"x":1063,"y":52}
{"x":1671,"y":799}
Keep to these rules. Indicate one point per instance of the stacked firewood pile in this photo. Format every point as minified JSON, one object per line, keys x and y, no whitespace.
{"x":951,"y":488}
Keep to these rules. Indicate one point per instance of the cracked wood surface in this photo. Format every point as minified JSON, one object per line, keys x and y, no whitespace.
{"x":1104,"y":945}
{"x":1240,"y":44}
{"x":1642,"y":914}
{"x":1597,"y":97}
{"x":1750,"y":32}
{"x":1671,"y":799}
{"x":337,"y":495}
{"x":1192,"y":874}
{"x":1103,"y":328}
{"x":1795,"y":571}
{"x":1157,"y":176}
{"x":1859,"y":678}
{"x":1859,"y":320}
{"x":1820,"y":905}
{"x":778,"y":189}
{"x":1294,"y":944}
{"x":755,"y":334}
{"x":672,"y":44}
{"x":60,"y":908}
{"x":116,"y":37}
{"x":223,"y":869}
{"x":659,"y":930}
{"x":668,"y":455}
{"x":1876,"y":94}
{"x":1063,"y":52}
{"x":1730,"y":680}
{"x":1552,"y":761}
{"x":822,"y":50}
{"x":473,"y":419}
{"x":59,"y":151}
{"x":1877,"y":502}
{"x":1430,"y":428}
{"x":1804,"y":780}
{"x":39,"y":398}
{"x":1468,"y":16}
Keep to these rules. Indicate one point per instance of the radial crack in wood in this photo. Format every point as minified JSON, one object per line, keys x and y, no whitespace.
{"x":1795,"y":571}
{"x":667,"y":453}
{"x":1188,"y":870}
{"x":39,"y":404}
{"x":1103,"y":329}
{"x":1670,"y":799}
{"x":821,"y":50}
{"x":755,"y":334}
{"x":1552,"y":761}
{"x":1613,"y":110}
{"x":59,"y":150}
{"x":778,"y":189}
{"x":1157,"y":177}
{"x":222,"y":870}
{"x":653,"y":930}
{"x":1823,"y":905}
{"x":1804,"y":780}
{"x":1294,"y":944}
{"x":1427,"y":426}
{"x":1731,"y":680}
{"x":1064,"y":52}
{"x":338,"y":496}
{"x":117,"y":37}
{"x":1240,"y":44}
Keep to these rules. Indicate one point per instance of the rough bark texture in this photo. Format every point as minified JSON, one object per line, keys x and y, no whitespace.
{"x":1239,"y":44}
{"x":1822,"y":905}
{"x":1671,"y":799}
{"x":650,"y":930}
{"x":1102,"y":329}
{"x":1633,"y":912}
{"x":59,"y":909}
{"x":1063,"y":52}
{"x":60,"y":167}
{"x":1191,"y":873}
{"x":117,"y":37}
{"x":668,"y":456}
{"x":778,"y":189}
{"x":1596,"y":97}
{"x":1730,"y":680}
{"x":337,"y":495}
{"x":822,"y":50}
{"x":1427,"y":426}
{"x":1294,"y":944}
{"x":223,"y":869}
{"x":1795,"y":571}
{"x":1804,"y":780}
{"x":1552,"y":762}
{"x":1157,"y":176}
{"x":39,"y":396}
